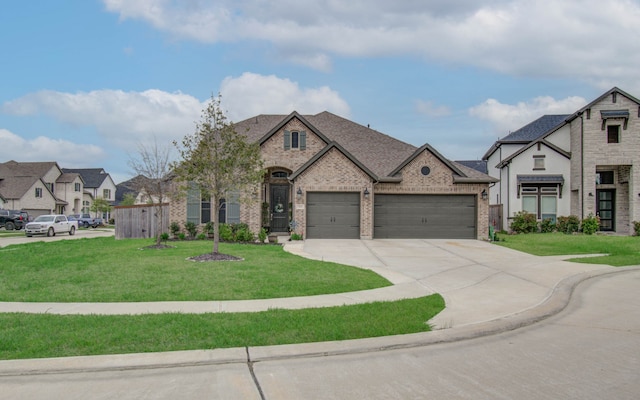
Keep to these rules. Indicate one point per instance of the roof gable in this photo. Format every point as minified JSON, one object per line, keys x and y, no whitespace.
{"x":320,"y":154}
{"x":433,"y":151}
{"x":602,"y":97}
{"x":540,"y":141}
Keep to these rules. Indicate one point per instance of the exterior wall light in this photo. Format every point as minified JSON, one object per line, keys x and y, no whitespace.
{"x":366,"y":193}
{"x":299,"y":192}
{"x":484,"y":194}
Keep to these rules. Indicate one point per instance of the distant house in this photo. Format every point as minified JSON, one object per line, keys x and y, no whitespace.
{"x":578,"y":164}
{"x":40,"y":188}
{"x":328,"y":177}
{"x":97,"y":184}
{"x":135,"y":187}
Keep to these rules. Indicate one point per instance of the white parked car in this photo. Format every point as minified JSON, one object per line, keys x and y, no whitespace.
{"x":50,"y":225}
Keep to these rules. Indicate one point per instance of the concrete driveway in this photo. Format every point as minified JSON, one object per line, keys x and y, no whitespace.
{"x":479,"y":281}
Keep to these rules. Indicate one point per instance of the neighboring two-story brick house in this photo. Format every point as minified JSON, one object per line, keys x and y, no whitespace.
{"x":328,"y":177}
{"x":578,"y":164}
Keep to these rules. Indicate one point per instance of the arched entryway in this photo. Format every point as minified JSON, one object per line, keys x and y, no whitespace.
{"x":276,"y":206}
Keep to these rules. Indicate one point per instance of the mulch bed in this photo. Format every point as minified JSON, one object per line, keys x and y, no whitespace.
{"x":214,"y":257}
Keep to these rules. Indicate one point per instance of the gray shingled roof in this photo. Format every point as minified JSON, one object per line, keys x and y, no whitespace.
{"x":92,"y":177}
{"x":478,"y":165}
{"x":378,"y":152}
{"x":535,"y":129}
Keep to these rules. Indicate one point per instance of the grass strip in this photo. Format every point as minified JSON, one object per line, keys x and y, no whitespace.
{"x":109,"y":270}
{"x":44,"y":335}
{"x":620,"y":250}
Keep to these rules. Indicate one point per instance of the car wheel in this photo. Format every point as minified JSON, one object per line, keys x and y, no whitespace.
{"x":9,"y":226}
{"x":51,"y":232}
{"x":86,"y":224}
{"x":72,"y":231}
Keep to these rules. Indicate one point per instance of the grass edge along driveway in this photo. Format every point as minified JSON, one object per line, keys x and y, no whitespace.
{"x":619,"y":250}
{"x":41,"y":335}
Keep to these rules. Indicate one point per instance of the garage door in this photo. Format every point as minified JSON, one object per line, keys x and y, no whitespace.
{"x":333,"y":215}
{"x":424,"y":216}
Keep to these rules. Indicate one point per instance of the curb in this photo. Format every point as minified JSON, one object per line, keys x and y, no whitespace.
{"x":556,"y":301}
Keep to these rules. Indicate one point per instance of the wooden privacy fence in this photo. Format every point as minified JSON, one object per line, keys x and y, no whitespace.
{"x":495,"y":216}
{"x":140,"y":221}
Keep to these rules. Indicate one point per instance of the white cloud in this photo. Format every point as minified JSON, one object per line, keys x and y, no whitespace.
{"x":429,"y":109}
{"x":252,"y":94}
{"x":510,"y":117}
{"x":122,"y":118}
{"x":67,"y":154}
{"x":588,"y":40}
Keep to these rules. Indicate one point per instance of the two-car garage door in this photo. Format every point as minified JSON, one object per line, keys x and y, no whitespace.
{"x":424,"y":216}
{"x":336,"y":215}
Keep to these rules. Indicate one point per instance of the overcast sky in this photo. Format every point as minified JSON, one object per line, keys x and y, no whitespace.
{"x":83,"y":82}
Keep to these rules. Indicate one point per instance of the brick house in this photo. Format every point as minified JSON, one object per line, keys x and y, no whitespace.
{"x":328,"y":177}
{"x":578,"y":164}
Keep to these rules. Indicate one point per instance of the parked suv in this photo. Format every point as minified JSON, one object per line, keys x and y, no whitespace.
{"x":13,"y":219}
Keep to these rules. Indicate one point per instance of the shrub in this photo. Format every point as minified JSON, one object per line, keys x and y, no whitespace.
{"x":174,"y":227}
{"x":182,"y":236}
{"x":636,"y":227}
{"x":547,"y":225}
{"x":243,"y":234}
{"x":568,"y":225}
{"x":296,"y":236}
{"x":226,"y":233}
{"x":590,"y":225}
{"x":262,"y":236}
{"x":191,"y":228}
{"x":164,"y":236}
{"x":208,"y":228}
{"x":202,"y":236}
{"x":524,"y":222}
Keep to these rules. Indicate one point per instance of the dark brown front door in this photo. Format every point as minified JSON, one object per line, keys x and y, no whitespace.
{"x":605,"y":209}
{"x":279,"y":208}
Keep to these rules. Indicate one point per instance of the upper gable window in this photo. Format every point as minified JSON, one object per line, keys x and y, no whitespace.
{"x":279,"y":174}
{"x":538,"y":162}
{"x":613,"y":134}
{"x":295,"y":140}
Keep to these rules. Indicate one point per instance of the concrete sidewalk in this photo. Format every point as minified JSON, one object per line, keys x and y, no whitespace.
{"x":479,"y":281}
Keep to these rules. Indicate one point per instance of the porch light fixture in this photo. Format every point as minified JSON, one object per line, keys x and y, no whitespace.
{"x":366,"y":193}
{"x":484,"y":194}
{"x":299,"y":192}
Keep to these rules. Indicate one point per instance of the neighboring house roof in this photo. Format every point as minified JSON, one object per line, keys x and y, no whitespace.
{"x":376,"y":153}
{"x":68,"y":177}
{"x":92,"y":177}
{"x":38,"y":169}
{"x":530,"y":132}
{"x":15,"y":187}
{"x":478,"y":165}
{"x":594,"y":102}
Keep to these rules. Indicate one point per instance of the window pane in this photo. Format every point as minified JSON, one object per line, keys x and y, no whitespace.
{"x":530,"y":204}
{"x":548,"y":207}
{"x":193,"y":205}
{"x":294,"y":140}
{"x":233,"y":208}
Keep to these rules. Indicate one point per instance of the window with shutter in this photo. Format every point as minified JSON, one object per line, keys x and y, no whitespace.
{"x":287,"y":140}
{"x":303,"y":140}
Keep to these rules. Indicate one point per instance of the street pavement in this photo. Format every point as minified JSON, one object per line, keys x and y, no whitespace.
{"x":476,"y":350}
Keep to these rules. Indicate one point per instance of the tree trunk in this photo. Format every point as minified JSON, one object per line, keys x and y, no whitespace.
{"x":216,"y":223}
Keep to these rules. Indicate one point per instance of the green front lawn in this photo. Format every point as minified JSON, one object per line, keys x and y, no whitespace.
{"x":620,"y":250}
{"x":38,"y":336}
{"x":109,"y":270}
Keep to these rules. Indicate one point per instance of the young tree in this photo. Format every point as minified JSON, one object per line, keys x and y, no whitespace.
{"x":100,"y":205}
{"x":218,"y":160}
{"x":153,"y":167}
